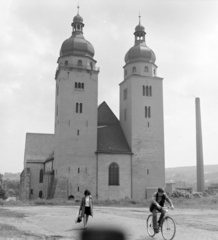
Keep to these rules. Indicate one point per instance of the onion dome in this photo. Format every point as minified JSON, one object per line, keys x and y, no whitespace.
{"x":77,"y":44}
{"x":78,"y":18}
{"x":140,"y":51}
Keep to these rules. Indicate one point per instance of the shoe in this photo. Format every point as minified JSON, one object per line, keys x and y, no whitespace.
{"x":156,"y":230}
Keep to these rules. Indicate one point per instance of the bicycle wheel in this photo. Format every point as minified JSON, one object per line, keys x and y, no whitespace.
{"x":168,"y":228}
{"x":150,"y":228}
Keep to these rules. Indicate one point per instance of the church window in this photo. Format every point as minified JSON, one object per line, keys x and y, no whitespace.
{"x":147,"y":171}
{"x":78,"y":189}
{"x":77,"y":132}
{"x":80,"y":63}
{"x":146,"y":69}
{"x":147,"y":93}
{"x":149,"y":112}
{"x":91,"y":65}
{"x":125,"y":114}
{"x":78,"y":26}
{"x":143,"y":90}
{"x":114,"y":174}
{"x":150,"y":91}
{"x":75,"y":84}
{"x":79,"y":85}
{"x":78,"y":170}
{"x":82,"y":85}
{"x":81,"y":107}
{"x":154,"y":72}
{"x":134,"y":69}
{"x":77,"y":107}
{"x":40,"y":194}
{"x":41,"y":176}
{"x":125,"y":94}
{"x":66,"y":63}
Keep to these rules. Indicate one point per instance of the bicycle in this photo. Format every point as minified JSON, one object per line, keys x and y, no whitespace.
{"x":167,"y":226}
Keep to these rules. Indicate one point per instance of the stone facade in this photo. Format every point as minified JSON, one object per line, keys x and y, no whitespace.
{"x":105,"y":191}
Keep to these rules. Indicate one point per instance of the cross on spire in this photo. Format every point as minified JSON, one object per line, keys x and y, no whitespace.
{"x":78,"y":8}
{"x":139,"y":18}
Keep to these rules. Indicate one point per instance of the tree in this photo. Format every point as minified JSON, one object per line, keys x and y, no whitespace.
{"x":2,"y":193}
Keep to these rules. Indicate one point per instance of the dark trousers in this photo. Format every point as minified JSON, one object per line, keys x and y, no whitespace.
{"x":154,"y":210}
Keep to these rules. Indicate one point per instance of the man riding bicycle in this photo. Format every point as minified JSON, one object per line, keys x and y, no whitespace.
{"x":157,"y":204}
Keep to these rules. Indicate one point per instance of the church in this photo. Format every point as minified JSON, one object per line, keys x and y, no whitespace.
{"x":91,"y":148}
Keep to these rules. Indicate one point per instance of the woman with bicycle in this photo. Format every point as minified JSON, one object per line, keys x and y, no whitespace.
{"x":157,"y":204}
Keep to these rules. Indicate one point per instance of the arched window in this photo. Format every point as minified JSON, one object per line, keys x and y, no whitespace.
{"x":146,"y":112}
{"x":146,"y":69}
{"x":134,"y":69}
{"x":91,"y":65}
{"x":79,"y":85}
{"x":149,"y":112}
{"x":150,"y":91}
{"x":147,"y":94}
{"x":40,"y":194}
{"x":77,"y":107}
{"x":66,"y":63}
{"x":81,"y":107}
{"x":80,"y":63}
{"x":114,"y":174}
{"x":75,"y":84}
{"x":41,"y":176}
{"x":82,"y":85}
{"x":143,"y":90}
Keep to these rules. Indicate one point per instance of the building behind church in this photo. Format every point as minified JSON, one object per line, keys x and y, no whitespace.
{"x":91,"y":148}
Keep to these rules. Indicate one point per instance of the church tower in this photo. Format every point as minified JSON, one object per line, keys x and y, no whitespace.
{"x":75,"y":115}
{"x":141,"y":116}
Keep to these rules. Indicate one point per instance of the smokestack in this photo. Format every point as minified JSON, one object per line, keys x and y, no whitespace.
{"x":199,"y":148}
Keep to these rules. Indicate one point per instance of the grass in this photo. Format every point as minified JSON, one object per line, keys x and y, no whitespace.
{"x":210,"y":202}
{"x":7,"y":213}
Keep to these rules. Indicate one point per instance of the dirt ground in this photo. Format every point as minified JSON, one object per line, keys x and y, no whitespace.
{"x":57,"y":223}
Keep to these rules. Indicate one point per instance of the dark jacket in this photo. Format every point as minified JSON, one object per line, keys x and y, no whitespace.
{"x":161,"y":203}
{"x":82,"y":206}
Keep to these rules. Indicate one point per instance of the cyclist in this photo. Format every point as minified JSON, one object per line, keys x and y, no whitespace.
{"x":157,"y":204}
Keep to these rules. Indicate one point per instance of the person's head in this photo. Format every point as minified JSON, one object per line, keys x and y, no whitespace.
{"x":87,"y":192}
{"x":160,"y":191}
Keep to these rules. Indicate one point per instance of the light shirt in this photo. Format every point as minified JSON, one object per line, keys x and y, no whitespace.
{"x":87,"y":201}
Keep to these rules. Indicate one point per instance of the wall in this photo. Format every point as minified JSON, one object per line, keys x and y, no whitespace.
{"x":34,"y":180}
{"x":114,"y":192}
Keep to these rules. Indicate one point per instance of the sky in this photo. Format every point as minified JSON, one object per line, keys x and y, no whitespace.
{"x":182,"y":34}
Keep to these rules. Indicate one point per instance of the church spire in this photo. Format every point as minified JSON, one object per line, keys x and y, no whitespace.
{"x":139,"y":19}
{"x":77,"y":23}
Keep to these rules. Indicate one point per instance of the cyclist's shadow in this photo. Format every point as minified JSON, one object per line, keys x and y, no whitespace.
{"x":148,"y":238}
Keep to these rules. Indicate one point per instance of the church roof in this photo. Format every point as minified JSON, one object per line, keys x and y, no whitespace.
{"x":39,"y":147}
{"x":111,"y":138}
